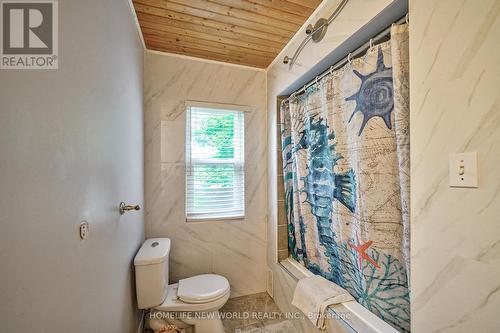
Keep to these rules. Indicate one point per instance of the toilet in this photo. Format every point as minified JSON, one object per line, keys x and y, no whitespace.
{"x":192,"y":301}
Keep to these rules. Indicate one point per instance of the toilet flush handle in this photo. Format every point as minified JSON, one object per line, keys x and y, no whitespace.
{"x":126,"y":208}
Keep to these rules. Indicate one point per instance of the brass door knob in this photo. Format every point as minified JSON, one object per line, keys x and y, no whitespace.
{"x":126,"y":208}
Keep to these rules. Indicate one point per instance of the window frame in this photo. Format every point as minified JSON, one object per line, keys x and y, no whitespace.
{"x":188,"y":164}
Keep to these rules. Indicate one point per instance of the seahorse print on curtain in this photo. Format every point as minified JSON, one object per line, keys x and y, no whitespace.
{"x":345,"y":151}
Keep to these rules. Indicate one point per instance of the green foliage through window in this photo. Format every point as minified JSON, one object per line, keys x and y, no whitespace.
{"x":216,"y":178}
{"x":217,"y":131}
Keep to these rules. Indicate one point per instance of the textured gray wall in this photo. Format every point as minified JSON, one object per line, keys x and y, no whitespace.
{"x":71,"y":147}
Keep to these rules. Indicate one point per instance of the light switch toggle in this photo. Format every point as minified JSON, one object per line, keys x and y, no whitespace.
{"x":463,"y":170}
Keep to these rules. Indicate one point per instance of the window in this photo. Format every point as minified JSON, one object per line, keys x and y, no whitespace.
{"x":215,"y":177}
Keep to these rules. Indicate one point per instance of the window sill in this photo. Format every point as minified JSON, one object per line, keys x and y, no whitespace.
{"x":216,"y":219}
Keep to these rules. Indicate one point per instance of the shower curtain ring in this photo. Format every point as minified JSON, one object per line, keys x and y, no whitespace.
{"x":331,"y":70}
{"x":407,"y":18}
{"x":371,"y":44}
{"x":316,"y":80}
{"x":349,"y":59}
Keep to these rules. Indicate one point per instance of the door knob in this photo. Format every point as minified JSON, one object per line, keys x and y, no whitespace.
{"x":126,"y":208}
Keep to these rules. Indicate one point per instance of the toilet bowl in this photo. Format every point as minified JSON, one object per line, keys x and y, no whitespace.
{"x":192,"y":301}
{"x":196,"y":305}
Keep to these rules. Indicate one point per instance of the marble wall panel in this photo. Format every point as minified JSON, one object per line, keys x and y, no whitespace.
{"x":235,"y":249}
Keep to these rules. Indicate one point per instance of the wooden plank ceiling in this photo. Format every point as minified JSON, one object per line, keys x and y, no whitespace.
{"x":245,"y":32}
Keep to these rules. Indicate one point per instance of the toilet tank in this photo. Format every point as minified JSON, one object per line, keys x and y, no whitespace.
{"x":151,"y":272}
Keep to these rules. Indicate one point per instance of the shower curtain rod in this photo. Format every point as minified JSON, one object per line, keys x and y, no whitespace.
{"x":353,"y":54}
{"x":319,"y":28}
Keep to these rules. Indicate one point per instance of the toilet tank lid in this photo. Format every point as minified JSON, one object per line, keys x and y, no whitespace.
{"x":152,"y":251}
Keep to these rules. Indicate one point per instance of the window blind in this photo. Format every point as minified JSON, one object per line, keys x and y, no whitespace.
{"x":215,"y":177}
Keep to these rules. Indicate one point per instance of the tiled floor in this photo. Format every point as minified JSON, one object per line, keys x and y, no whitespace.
{"x":254,"y":314}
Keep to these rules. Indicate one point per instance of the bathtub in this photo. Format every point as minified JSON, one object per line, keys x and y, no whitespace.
{"x":350,"y":315}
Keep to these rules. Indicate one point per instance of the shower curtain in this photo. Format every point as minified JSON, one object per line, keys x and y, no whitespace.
{"x":345,"y":145}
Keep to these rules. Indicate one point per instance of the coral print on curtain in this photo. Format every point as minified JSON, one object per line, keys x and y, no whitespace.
{"x":346,"y":166}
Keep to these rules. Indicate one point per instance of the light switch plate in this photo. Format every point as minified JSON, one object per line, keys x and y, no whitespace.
{"x":463,"y":170}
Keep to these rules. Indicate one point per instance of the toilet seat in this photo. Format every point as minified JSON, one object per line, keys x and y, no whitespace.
{"x":202,"y":288}
{"x":173,"y":303}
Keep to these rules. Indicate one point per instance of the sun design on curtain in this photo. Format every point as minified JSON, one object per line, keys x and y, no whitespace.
{"x":375,"y":97}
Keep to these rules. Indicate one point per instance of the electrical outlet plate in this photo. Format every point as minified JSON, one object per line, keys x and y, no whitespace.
{"x":84,"y":230}
{"x":463,"y":170}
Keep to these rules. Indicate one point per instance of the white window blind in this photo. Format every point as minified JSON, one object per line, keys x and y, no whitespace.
{"x":215,"y":177}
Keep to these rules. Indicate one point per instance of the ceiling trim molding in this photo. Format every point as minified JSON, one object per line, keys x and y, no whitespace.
{"x":136,"y":22}
{"x":208,"y":61}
